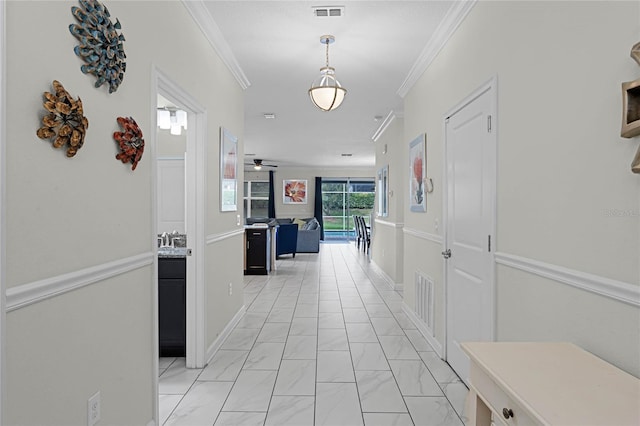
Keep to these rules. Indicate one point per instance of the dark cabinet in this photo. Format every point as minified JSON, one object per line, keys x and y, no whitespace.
{"x":257,"y":256}
{"x":172,"y":306}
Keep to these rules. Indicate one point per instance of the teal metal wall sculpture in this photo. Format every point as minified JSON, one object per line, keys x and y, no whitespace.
{"x":101,"y":46}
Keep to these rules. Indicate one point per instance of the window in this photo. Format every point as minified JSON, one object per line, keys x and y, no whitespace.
{"x":256,"y":198}
{"x":341,"y":199}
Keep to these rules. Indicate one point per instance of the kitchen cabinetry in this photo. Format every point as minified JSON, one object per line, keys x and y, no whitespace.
{"x":172,"y":305}
{"x":257,"y":260}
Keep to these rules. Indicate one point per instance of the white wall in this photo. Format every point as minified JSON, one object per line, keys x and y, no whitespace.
{"x":562,"y":166}
{"x":308,"y":173}
{"x":66,"y":217}
{"x":387,"y":240}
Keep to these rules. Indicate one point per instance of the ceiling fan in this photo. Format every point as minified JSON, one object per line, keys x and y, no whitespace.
{"x":258,"y":165}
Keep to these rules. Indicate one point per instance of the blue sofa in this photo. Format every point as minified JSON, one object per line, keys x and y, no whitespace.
{"x":286,"y":239}
{"x":308,"y":235}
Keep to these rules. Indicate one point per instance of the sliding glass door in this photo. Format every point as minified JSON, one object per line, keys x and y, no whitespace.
{"x":341,"y":199}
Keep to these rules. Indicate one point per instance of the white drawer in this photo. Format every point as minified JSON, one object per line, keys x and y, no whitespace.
{"x":497,"y":400}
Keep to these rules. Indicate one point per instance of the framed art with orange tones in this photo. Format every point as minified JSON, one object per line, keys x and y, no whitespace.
{"x":228,"y":171}
{"x":294,"y":191}
{"x":417,"y":174}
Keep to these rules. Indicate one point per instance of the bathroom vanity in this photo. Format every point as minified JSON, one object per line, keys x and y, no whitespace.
{"x":172,"y":300}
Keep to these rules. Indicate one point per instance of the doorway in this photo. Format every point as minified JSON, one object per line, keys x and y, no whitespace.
{"x":470,"y":212}
{"x":342,"y":198}
{"x":194,"y":208}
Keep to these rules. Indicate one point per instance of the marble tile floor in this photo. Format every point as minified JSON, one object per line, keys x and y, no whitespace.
{"x":323,"y":342}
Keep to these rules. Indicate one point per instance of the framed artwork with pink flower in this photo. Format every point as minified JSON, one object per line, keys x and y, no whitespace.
{"x":294,"y":191}
{"x":228,"y":171}
{"x":417,"y":174}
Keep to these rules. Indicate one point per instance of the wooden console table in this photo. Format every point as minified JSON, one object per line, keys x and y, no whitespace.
{"x":548,"y":384}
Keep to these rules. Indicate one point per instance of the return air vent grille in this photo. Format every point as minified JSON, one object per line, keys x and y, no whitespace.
{"x":425,"y":302}
{"x":328,"y":11}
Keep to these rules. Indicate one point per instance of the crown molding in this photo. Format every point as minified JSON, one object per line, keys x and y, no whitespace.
{"x":383,"y":126}
{"x":200,"y":14}
{"x":452,"y":20}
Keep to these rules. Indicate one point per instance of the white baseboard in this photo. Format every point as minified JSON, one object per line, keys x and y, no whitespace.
{"x":392,"y":284}
{"x":437,"y":347}
{"x":217,"y":344}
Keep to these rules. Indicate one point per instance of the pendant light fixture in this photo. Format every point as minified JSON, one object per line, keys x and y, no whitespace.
{"x":326,"y":92}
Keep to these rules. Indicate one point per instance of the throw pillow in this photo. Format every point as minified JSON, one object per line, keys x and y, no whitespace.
{"x":301,"y":223}
{"x":313,"y":224}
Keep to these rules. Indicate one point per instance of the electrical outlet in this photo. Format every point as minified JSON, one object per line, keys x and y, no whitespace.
{"x":230,"y":289}
{"x":93,"y":409}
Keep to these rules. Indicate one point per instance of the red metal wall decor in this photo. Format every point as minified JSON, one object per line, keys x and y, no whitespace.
{"x":130,"y":141}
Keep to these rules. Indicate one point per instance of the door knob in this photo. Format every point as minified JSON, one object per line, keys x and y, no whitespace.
{"x":446,"y":254}
{"x":507,"y":413}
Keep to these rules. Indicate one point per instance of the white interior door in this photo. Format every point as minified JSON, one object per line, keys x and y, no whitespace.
{"x":470,"y":213}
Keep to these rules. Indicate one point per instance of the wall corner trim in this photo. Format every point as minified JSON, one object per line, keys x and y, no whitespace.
{"x":613,"y":289}
{"x":37,"y":291}
{"x":383,"y":126}
{"x":217,"y":343}
{"x":452,"y":20}
{"x":424,"y":235}
{"x":422,"y":328}
{"x":214,"y":238}
{"x":211,"y":31}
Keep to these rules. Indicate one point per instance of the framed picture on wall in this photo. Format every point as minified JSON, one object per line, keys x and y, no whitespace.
{"x":417,"y":174}
{"x":228,"y":171}
{"x":294,"y":191}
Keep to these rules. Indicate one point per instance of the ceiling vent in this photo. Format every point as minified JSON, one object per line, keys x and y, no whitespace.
{"x":328,"y":11}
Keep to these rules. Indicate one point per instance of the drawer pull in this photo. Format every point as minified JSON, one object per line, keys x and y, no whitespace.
{"x":507,"y":413}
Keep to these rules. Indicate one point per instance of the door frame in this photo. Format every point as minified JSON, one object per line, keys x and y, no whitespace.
{"x":3,"y":200}
{"x":195,"y":204}
{"x":490,"y":86}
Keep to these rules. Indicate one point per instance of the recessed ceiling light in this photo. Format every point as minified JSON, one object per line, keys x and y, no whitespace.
{"x":346,"y":155}
{"x":377,"y":118}
{"x":249,"y":155}
{"x":269,"y":115}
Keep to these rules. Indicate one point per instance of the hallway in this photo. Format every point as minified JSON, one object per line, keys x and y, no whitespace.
{"x":324,"y":341}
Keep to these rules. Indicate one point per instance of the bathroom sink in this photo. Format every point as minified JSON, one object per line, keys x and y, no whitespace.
{"x":172,"y":251}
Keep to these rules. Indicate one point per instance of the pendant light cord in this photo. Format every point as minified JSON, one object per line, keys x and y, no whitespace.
{"x":327,"y":42}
